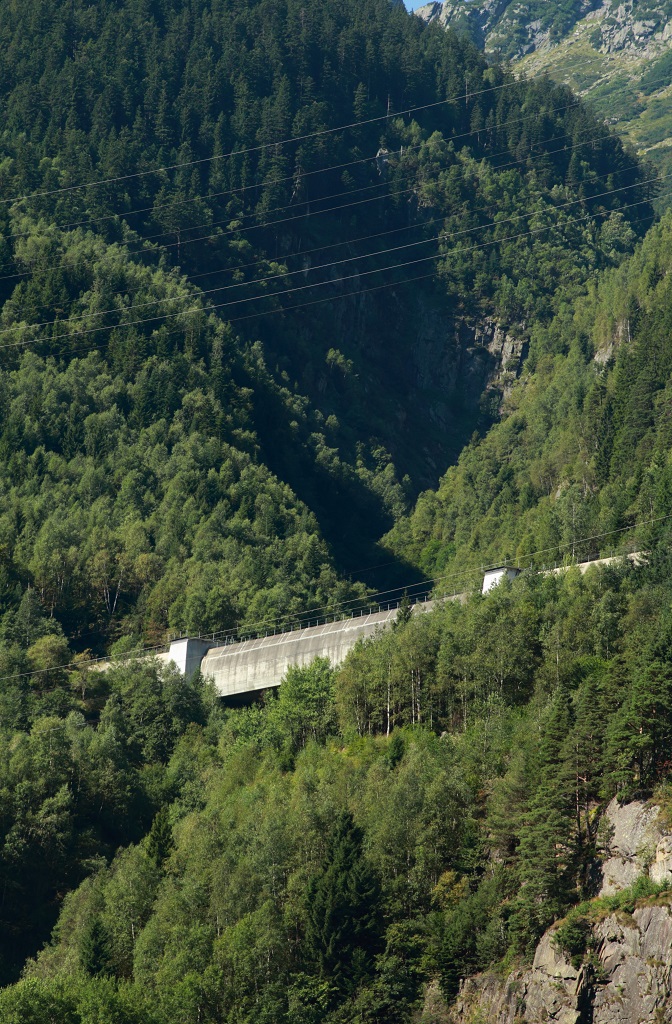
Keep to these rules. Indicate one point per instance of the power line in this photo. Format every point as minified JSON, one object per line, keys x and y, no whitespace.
{"x":326,"y":266}
{"x":408,"y":227}
{"x":461,"y":575}
{"x":328,"y":299}
{"x":183,"y":242}
{"x":411,"y":280}
{"x":160,"y":248}
{"x":510,"y":83}
{"x":372,"y":598}
{"x":288,"y":291}
{"x":256,"y":186}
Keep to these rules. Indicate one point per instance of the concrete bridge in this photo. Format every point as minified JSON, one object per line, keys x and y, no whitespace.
{"x":248,"y":666}
{"x":252,"y":665}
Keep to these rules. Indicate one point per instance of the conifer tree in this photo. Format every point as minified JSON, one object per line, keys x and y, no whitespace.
{"x":405,"y":611}
{"x":343,"y":910}
{"x":547,"y":836}
{"x":159,"y":841}
{"x":94,"y":951}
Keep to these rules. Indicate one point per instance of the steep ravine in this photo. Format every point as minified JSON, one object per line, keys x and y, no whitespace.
{"x":415,"y":404}
{"x":625,"y":978}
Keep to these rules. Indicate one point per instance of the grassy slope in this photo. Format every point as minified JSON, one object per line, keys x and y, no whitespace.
{"x":631,"y":88}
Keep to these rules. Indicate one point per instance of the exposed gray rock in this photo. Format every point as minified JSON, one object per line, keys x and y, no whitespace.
{"x":661,"y":869}
{"x":634,"y":27}
{"x":478,"y":19}
{"x":633,"y":836}
{"x":456,"y":361}
{"x":618,"y":873}
{"x":632,"y":985}
{"x":627,"y":979}
{"x":552,"y":986}
{"x":636,"y":957}
{"x":622,"y":31}
{"x":495,"y":1000}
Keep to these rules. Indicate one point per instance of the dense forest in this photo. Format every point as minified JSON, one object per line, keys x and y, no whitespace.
{"x":225,"y":228}
{"x":205,"y":452}
{"x":420,"y":813}
{"x":583,"y":448}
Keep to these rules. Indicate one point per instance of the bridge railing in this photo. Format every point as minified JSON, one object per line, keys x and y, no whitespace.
{"x":237,"y":636}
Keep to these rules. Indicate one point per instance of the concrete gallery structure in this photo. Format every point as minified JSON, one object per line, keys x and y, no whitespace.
{"x":249,"y":666}
{"x":495,"y":576}
{"x":257,"y":664}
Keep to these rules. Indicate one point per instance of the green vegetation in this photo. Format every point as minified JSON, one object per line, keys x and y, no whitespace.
{"x":582,"y":451}
{"x":507,"y":28}
{"x":573,"y":934}
{"x":164,"y":469}
{"x":616,"y":57}
{"x":425,"y":811}
{"x":174,"y":459}
{"x":624,"y":77}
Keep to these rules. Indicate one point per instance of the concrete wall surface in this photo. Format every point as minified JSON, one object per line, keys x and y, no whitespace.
{"x":257,"y":664}
{"x":187,"y":654}
{"x":636,"y":557}
{"x":493,"y":577}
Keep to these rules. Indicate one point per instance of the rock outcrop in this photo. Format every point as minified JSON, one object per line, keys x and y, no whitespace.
{"x":627,"y":979}
{"x":458,"y":363}
{"x":479,"y":19}
{"x":628,"y":982}
{"x":622,"y":27}
{"x":634,"y":27}
{"x":632,"y":834}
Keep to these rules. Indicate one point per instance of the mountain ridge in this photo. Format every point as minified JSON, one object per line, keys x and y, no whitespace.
{"x":616,"y":56}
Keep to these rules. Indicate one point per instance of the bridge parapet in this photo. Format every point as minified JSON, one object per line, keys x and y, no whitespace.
{"x":261,"y":663}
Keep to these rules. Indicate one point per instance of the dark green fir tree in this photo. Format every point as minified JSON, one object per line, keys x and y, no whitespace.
{"x":343,"y":930}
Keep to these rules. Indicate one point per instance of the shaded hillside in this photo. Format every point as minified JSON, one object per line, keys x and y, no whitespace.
{"x":192,"y":439}
{"x":582,"y":451}
{"x":328,"y":384}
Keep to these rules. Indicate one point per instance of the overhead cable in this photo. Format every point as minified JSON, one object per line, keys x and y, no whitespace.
{"x":441,"y":238}
{"x":390,"y":115}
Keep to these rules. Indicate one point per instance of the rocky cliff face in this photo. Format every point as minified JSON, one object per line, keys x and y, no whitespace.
{"x":456,"y":377}
{"x":639,"y":27}
{"x":458,"y":360}
{"x":633,"y":834}
{"x":478,"y":20}
{"x":626,"y":979}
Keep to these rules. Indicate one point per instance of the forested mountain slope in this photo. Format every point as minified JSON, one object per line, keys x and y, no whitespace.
{"x":515,"y":29}
{"x":135,"y":425}
{"x":305,"y":865}
{"x":228,"y":363}
{"x":615,"y":55}
{"x":508,"y":26}
{"x":582,"y":451}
